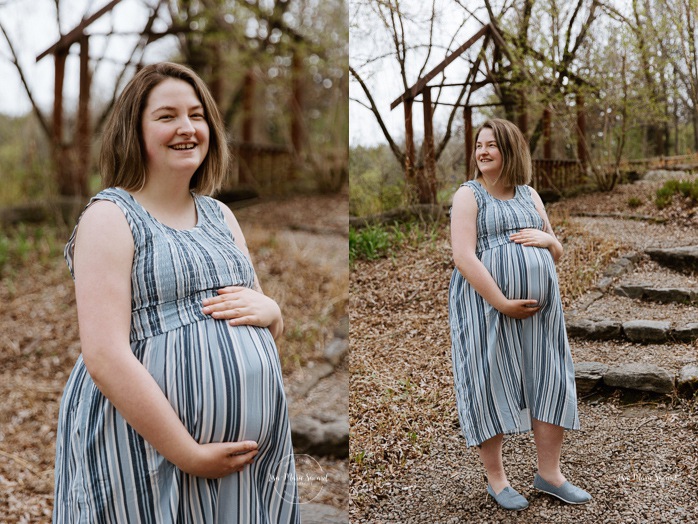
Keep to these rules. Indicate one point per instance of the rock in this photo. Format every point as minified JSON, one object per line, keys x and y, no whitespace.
{"x":315,"y":375}
{"x":680,"y":258}
{"x":687,"y":333}
{"x":658,"y":294}
{"x":323,"y":514}
{"x":630,"y":291}
{"x":643,"y":377}
{"x":620,"y":266}
{"x":591,"y":330}
{"x":662,"y":174}
{"x":647,"y":331}
{"x":587,"y":375}
{"x":687,"y":381}
{"x":335,"y":350}
{"x":604,"y":283}
{"x":342,"y":329}
{"x":312,"y":436}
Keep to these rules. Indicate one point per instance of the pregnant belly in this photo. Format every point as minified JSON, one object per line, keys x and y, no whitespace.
{"x":223,"y":382}
{"x":522,"y":272}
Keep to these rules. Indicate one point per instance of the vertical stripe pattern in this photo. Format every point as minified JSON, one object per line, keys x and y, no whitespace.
{"x":224,"y":383}
{"x":507,"y":371}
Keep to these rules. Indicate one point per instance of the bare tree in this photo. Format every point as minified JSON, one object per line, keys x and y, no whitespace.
{"x":410,"y":41}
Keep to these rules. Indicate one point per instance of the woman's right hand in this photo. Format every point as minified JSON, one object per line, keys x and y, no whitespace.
{"x":519,"y":308}
{"x":220,"y":459}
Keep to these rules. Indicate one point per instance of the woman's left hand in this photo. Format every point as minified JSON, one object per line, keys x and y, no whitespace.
{"x":243,"y":306}
{"x":533,"y":237}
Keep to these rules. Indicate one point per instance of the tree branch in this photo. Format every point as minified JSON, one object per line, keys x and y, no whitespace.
{"x":39,"y":115}
{"x":374,"y":109}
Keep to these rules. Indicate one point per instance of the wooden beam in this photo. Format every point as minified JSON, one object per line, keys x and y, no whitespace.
{"x":74,"y":35}
{"x":59,"y":75}
{"x":422,"y":82}
{"x":297,"y":85}
{"x":468,"y":131}
{"x":429,"y":161}
{"x":83,"y":142}
{"x":547,"y":143}
{"x":248,"y":89}
{"x":409,"y":141}
{"x":582,"y":152}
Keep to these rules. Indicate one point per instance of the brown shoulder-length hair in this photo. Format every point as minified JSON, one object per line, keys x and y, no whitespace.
{"x":122,"y":158}
{"x":513,"y":146}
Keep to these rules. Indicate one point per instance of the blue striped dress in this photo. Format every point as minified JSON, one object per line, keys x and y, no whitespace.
{"x":224,"y":383}
{"x":507,"y":371}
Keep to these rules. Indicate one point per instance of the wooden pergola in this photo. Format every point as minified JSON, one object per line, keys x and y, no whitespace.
{"x":483,"y":71}
{"x":76,"y":181}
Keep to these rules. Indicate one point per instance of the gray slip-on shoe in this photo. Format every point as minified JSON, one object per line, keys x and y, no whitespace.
{"x":508,"y":498}
{"x":568,"y":493}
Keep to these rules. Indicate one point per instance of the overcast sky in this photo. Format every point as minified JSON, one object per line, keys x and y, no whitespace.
{"x":32,"y":28}
{"x":370,"y":53}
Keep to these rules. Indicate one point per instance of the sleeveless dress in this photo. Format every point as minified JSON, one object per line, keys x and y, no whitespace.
{"x":224,"y":383}
{"x":507,"y":371}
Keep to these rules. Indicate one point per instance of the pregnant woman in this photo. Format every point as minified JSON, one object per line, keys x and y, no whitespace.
{"x":173,"y":413}
{"x":512,"y":365}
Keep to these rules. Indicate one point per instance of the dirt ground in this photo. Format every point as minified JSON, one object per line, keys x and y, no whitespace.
{"x":300,"y":250}
{"x":636,"y":455}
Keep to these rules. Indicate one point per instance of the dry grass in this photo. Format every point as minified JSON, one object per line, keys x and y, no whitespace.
{"x":39,"y":343}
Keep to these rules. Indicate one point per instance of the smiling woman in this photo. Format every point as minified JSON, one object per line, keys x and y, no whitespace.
{"x":172,"y":413}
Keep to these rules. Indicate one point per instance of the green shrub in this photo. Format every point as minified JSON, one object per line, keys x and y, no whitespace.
{"x":634,"y":202}
{"x":686,"y":188}
{"x":375,"y":242}
{"x":368,"y":243}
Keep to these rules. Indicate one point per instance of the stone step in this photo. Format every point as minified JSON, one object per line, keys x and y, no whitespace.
{"x":639,"y":331}
{"x":637,"y":376}
{"x":323,"y":514}
{"x":663,"y":295}
{"x":683,"y":259}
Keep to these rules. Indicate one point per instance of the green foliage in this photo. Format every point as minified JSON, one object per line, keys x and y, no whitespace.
{"x":634,"y":202}
{"x":374,"y":242}
{"x":665,"y":194}
{"x":368,"y":243}
{"x":23,"y":245}
{"x":376,"y":181}
{"x":24,"y":161}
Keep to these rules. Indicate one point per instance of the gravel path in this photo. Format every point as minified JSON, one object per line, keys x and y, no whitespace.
{"x":637,"y":461}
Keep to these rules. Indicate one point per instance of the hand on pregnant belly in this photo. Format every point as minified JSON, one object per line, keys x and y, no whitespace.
{"x":242,"y":306}
{"x":220,"y":459}
{"x":519,"y":308}
{"x":532,"y":238}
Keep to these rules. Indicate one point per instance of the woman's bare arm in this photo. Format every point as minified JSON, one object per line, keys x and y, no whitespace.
{"x":463,"y":241}
{"x":102,"y":265}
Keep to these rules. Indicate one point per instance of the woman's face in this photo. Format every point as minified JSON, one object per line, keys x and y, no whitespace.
{"x":175,"y":130}
{"x":487,"y":154}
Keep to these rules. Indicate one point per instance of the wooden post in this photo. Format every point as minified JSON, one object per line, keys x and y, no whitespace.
{"x":59,"y":160}
{"x":582,"y":152}
{"x":469,"y":138}
{"x":409,"y":142}
{"x":248,"y":88}
{"x":523,"y":114}
{"x":428,"y":187}
{"x":297,"y":128}
{"x":547,"y":143}
{"x":82,"y":133}
{"x":245,"y":154}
